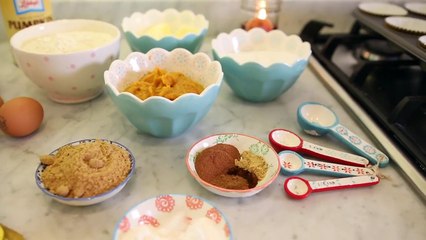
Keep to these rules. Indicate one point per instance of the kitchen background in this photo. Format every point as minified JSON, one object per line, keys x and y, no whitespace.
{"x":224,"y":15}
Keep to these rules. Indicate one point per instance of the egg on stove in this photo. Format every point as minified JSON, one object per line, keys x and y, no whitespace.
{"x":20,"y":116}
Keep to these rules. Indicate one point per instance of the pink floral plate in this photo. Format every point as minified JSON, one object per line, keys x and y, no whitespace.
{"x":174,"y":216}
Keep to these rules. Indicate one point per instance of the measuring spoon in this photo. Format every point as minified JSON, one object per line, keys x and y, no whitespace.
{"x":317,"y":119}
{"x":300,"y":188}
{"x":282,"y":139}
{"x":292,"y":164}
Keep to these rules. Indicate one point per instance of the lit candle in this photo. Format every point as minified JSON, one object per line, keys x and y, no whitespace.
{"x":260,"y":20}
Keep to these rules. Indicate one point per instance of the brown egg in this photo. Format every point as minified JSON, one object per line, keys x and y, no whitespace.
{"x":1,"y":101}
{"x":20,"y":116}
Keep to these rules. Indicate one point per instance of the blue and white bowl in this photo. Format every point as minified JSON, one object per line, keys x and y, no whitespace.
{"x":159,"y":116}
{"x":170,"y":30}
{"x":259,"y":66}
{"x":174,"y":214}
{"x":87,"y":200}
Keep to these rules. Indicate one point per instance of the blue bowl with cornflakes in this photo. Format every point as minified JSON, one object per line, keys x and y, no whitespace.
{"x":157,"y":115}
{"x":168,"y":29}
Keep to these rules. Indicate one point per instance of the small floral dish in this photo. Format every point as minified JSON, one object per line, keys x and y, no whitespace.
{"x":156,"y":115}
{"x":174,"y":216}
{"x":168,"y":29}
{"x":85,"y":201}
{"x":242,"y":143}
{"x":67,"y":58}
{"x":258,"y":65}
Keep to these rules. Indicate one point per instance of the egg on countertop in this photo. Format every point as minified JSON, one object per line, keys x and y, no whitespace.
{"x":21,"y":116}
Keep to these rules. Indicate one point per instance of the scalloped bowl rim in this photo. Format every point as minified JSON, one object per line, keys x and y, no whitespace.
{"x":255,"y":189}
{"x":51,"y":24}
{"x":68,"y":199}
{"x":119,"y":94}
{"x":144,"y":201}
{"x":201,"y":31}
{"x":215,"y":42}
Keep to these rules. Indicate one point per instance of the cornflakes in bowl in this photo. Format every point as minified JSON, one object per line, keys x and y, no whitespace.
{"x":158,"y":115}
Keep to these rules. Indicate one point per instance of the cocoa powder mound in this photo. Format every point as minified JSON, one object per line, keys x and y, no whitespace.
{"x":211,"y":163}
{"x":217,"y":165}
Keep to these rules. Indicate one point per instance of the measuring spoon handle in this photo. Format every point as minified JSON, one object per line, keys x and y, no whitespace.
{"x":332,"y":155}
{"x":342,"y":183}
{"x":333,"y":169}
{"x":359,"y":145}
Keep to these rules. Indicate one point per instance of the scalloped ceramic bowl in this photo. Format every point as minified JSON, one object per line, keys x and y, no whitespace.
{"x":156,"y":115}
{"x":71,"y":77}
{"x":88,"y":200}
{"x":259,"y":66}
{"x":242,"y":143}
{"x":168,"y":29}
{"x":180,"y":216}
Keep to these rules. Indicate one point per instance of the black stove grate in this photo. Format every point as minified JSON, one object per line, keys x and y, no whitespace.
{"x":392,"y":89}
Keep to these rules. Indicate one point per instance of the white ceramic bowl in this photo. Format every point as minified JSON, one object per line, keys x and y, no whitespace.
{"x":259,"y":66}
{"x":171,"y":212}
{"x":242,"y":143}
{"x":168,"y":29}
{"x":159,"y":116}
{"x":88,"y":200}
{"x":67,"y":77}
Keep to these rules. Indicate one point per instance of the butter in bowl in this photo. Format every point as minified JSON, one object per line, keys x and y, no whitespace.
{"x":258,"y":65}
{"x":168,"y":29}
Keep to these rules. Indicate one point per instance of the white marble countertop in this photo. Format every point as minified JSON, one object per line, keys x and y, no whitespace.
{"x":390,"y":210}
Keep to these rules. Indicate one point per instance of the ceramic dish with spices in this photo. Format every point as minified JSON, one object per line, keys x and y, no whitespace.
{"x":159,"y":115}
{"x":221,"y":163}
{"x":259,"y":66}
{"x":174,"y":216}
{"x":168,"y":29}
{"x":85,"y":172}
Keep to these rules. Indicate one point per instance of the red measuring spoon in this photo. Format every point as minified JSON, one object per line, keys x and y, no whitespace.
{"x":282,"y":139}
{"x":300,"y":188}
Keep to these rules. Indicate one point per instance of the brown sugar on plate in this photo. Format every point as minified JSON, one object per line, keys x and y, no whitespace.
{"x":86,"y":169}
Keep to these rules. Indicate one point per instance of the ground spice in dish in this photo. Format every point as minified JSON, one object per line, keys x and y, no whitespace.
{"x":86,"y":169}
{"x":223,"y":166}
{"x":160,"y":82}
{"x":253,"y":163}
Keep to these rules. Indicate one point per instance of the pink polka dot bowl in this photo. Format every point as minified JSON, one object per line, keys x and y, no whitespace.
{"x":174,"y":216}
{"x":67,"y":58}
{"x":158,"y":116}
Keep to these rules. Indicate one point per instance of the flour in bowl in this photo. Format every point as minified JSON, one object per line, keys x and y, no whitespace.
{"x":66,"y":42}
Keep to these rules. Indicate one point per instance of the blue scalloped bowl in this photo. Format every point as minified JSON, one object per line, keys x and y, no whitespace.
{"x":140,"y":41}
{"x":159,"y":116}
{"x":259,"y":66}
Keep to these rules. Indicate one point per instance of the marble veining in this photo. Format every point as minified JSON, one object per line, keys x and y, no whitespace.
{"x":389,"y":210}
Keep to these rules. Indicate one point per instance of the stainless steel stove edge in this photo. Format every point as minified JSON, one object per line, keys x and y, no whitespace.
{"x":417,"y":181}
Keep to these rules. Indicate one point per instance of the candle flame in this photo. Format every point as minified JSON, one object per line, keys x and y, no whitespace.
{"x":261,"y":14}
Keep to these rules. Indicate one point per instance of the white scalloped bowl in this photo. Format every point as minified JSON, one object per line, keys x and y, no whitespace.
{"x":159,"y":116}
{"x":168,"y":29}
{"x":186,"y":216}
{"x":243,"y":143}
{"x":259,"y":66}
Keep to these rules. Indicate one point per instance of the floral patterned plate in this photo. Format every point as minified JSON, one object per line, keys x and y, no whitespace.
{"x":242,"y":143}
{"x":176,"y":217}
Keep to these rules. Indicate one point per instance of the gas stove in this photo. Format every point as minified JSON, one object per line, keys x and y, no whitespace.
{"x":381,"y":76}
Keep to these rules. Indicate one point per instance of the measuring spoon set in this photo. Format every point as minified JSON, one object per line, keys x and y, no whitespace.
{"x":317,"y":119}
